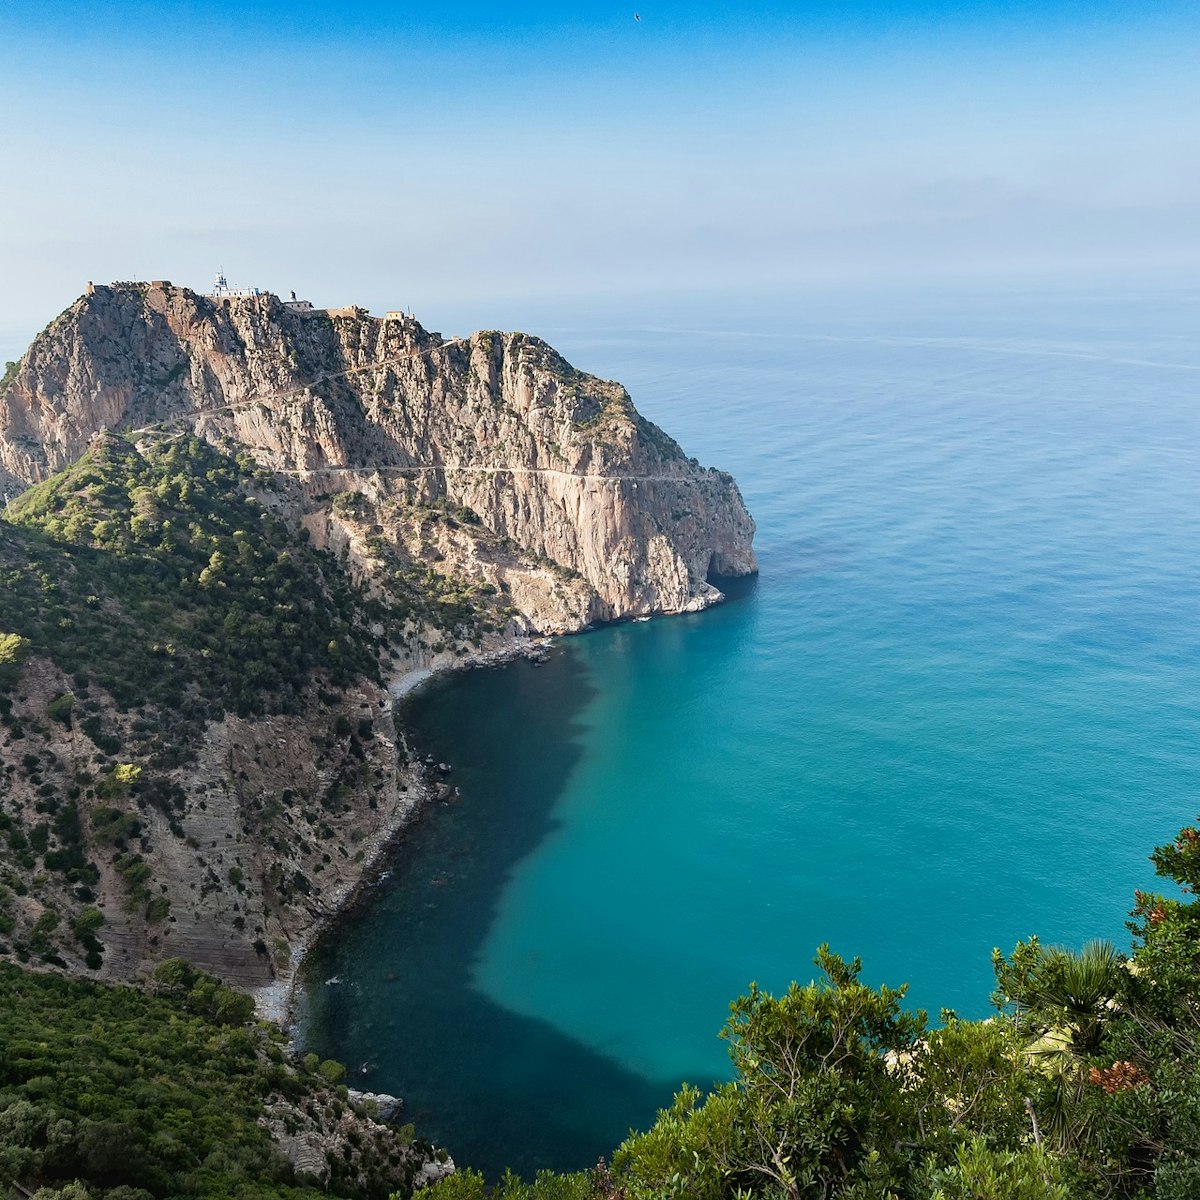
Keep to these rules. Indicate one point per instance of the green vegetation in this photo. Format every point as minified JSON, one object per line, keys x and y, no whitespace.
{"x":162,"y":577}
{"x":10,"y":373}
{"x":415,"y":596}
{"x":60,"y":708}
{"x":14,"y":650}
{"x":651,"y":435}
{"x":166,"y":1094}
{"x":1085,"y":1085}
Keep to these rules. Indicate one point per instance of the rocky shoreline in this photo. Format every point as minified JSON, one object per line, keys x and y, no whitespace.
{"x":275,"y":1001}
{"x":257,"y":533}
{"x":469,"y":497}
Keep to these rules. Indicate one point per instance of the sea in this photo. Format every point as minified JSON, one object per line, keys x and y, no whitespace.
{"x":958,"y":707}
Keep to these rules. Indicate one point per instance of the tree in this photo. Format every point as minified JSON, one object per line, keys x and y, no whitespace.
{"x":820,"y":1102}
{"x":981,"y":1173}
{"x":1065,"y":1001}
{"x":14,"y":650}
{"x":59,"y":709}
{"x":1063,"y":992}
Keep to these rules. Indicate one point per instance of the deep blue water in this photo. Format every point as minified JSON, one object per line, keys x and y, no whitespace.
{"x":959,"y":706}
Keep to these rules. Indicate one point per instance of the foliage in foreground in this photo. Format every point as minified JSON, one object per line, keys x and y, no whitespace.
{"x":1085,"y":1085}
{"x":147,"y":1095}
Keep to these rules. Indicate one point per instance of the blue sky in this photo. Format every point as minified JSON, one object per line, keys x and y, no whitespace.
{"x":475,"y":158}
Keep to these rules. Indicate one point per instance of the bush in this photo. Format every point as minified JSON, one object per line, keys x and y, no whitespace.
{"x":185,"y":596}
{"x":59,"y":709}
{"x":14,"y":650}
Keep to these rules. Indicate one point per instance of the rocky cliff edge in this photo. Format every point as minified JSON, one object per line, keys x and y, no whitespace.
{"x":564,"y":498}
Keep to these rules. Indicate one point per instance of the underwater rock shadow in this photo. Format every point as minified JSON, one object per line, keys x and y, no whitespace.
{"x":494,"y":1087}
{"x":498,"y":1089}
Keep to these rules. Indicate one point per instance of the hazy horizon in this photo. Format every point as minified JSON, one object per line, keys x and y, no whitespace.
{"x":463,"y":159}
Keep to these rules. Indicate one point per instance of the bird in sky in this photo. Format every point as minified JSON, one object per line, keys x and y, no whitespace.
{"x":637,"y":16}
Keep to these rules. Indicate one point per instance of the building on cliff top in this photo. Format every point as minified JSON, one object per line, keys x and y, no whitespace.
{"x":222,"y":291}
{"x":298,"y":306}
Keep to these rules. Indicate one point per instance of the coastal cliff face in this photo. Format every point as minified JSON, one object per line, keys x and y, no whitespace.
{"x":562,"y":497}
{"x":232,"y":536}
{"x":240,"y":532}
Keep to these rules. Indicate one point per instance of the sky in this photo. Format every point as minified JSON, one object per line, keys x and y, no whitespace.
{"x":474,"y":161}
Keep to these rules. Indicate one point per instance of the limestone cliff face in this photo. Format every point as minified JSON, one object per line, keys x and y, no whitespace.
{"x":481,"y":490}
{"x":551,"y":464}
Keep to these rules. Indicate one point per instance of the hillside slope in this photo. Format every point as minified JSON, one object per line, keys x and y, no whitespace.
{"x":198,"y":752}
{"x":574,"y":505}
{"x":237,"y":530}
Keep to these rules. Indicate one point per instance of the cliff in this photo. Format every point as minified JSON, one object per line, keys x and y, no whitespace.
{"x":239,"y":529}
{"x":564,"y":498}
{"x":231,"y":531}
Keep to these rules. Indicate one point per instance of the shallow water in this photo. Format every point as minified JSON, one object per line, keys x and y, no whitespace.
{"x":960,"y":706}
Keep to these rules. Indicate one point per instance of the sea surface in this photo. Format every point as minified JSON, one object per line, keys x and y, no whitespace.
{"x":959,"y":706}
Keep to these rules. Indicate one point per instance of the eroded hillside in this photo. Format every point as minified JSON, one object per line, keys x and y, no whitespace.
{"x":198,"y":751}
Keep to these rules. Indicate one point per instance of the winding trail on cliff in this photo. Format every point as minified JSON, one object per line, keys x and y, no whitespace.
{"x":419,"y":469}
{"x":412,"y":469}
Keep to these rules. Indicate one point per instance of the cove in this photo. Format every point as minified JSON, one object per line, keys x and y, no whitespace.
{"x":960,"y":706}
{"x":474,"y":1074}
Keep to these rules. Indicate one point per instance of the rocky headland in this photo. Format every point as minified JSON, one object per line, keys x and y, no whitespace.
{"x":441,"y":499}
{"x":583,"y":508}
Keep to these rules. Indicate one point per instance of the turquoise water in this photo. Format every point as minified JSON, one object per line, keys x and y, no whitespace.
{"x":959,"y":706}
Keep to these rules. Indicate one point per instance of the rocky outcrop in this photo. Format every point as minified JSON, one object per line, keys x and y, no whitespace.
{"x":357,"y":1140}
{"x":567,"y":500}
{"x":482,"y":491}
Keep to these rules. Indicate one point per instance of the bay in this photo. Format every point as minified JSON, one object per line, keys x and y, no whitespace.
{"x":959,"y":706}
